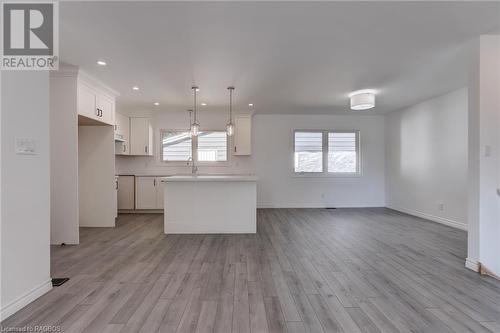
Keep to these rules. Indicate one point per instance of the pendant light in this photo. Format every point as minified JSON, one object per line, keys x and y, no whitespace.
{"x":230,"y":125}
{"x":195,"y":125}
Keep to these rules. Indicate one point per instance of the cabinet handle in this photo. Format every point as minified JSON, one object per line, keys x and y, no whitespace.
{"x":124,"y":147}
{"x":100,"y":112}
{"x":146,"y":149}
{"x":154,"y":182}
{"x":97,"y":112}
{"x":235,"y":149}
{"x":116,"y":127}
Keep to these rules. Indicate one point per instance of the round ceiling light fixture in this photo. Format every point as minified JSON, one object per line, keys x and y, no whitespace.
{"x":362,"y":99}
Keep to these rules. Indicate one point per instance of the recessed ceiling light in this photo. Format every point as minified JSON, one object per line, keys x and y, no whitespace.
{"x":101,"y":62}
{"x":362,"y":99}
{"x":156,"y":103}
{"x":204,"y":104}
{"x":250,"y":104}
{"x":135,"y":88}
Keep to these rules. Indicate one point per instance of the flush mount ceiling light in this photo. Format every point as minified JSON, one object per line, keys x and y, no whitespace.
{"x":156,"y":103}
{"x":250,"y":104}
{"x":362,"y":99}
{"x":135,"y":88}
{"x":230,"y":125}
{"x":203,"y":104}
{"x":101,"y":62}
{"x":195,"y":125}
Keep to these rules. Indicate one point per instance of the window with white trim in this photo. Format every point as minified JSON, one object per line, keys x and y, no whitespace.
{"x":212,"y":146}
{"x":176,"y":146}
{"x":326,"y":152}
{"x":180,"y":146}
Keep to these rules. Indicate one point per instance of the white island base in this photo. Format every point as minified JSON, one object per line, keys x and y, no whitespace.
{"x":222,"y":204}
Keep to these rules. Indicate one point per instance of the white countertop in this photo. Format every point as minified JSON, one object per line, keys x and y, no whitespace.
{"x":209,"y":178}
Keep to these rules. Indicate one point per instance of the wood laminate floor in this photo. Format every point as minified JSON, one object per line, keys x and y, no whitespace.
{"x":306,"y":270}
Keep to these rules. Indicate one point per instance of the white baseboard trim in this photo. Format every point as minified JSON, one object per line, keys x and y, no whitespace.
{"x":473,"y":265}
{"x":315,"y":205}
{"x":20,"y":302}
{"x":438,"y":219}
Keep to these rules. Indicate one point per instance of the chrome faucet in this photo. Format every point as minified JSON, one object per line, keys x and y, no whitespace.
{"x":194,"y":167}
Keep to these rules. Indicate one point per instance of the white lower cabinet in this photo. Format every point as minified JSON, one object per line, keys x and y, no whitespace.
{"x":148,"y":193}
{"x":126,"y":192}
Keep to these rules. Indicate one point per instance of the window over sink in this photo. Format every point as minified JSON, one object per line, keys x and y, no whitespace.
{"x":180,"y":146}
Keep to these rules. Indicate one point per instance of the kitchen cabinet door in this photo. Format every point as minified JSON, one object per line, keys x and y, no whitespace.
{"x":122,"y":132}
{"x":141,"y":136}
{"x":106,"y":108}
{"x":145,"y":195}
{"x":126,"y":192}
{"x":243,"y":135}
{"x":87,"y":101}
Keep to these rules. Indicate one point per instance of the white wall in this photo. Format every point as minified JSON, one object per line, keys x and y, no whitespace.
{"x":272,"y":161}
{"x":484,"y":155}
{"x":426,"y":156}
{"x":63,"y":158}
{"x":25,"y":188}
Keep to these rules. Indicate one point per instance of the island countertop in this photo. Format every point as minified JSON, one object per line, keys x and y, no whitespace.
{"x":209,"y":178}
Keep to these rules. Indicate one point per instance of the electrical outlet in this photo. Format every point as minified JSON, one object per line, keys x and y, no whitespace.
{"x":441,"y":206}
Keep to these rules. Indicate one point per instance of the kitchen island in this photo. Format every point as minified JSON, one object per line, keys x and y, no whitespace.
{"x":207,"y":204}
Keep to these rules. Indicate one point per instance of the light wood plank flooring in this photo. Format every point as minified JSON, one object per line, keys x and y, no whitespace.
{"x":306,"y":270}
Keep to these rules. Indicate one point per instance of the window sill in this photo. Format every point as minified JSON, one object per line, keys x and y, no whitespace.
{"x":326,"y":175}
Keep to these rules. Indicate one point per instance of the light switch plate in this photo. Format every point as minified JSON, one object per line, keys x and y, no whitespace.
{"x":26,"y":146}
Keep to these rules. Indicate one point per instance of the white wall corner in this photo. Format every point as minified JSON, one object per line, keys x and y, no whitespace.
{"x":471,"y":264}
{"x":434,"y":218}
{"x":24,"y":300}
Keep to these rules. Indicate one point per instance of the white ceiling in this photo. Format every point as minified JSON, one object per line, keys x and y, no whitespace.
{"x":285,"y":57}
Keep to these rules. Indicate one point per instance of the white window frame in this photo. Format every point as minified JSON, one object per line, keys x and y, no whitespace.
{"x":194,"y":149}
{"x":215,"y":163}
{"x":161,"y":146}
{"x":325,"y":172}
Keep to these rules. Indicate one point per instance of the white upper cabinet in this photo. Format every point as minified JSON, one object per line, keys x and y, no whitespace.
{"x":106,"y":107}
{"x":141,"y":136}
{"x":87,"y":101}
{"x":122,"y":134}
{"x":95,"y":102}
{"x":243,"y":135}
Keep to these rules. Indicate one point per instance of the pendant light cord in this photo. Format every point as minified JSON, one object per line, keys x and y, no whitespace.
{"x":230,"y":104}
{"x":194,"y":89}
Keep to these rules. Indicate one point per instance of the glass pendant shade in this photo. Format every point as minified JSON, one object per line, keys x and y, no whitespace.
{"x":195,"y":129}
{"x":230,"y":129}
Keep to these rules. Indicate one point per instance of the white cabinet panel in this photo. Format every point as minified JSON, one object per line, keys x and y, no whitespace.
{"x":126,"y":192}
{"x":148,"y":192}
{"x":122,"y":132}
{"x":141,"y":136}
{"x":87,"y":101}
{"x":106,"y":109}
{"x":243,"y":135}
{"x":145,"y":193}
{"x":92,"y":103}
